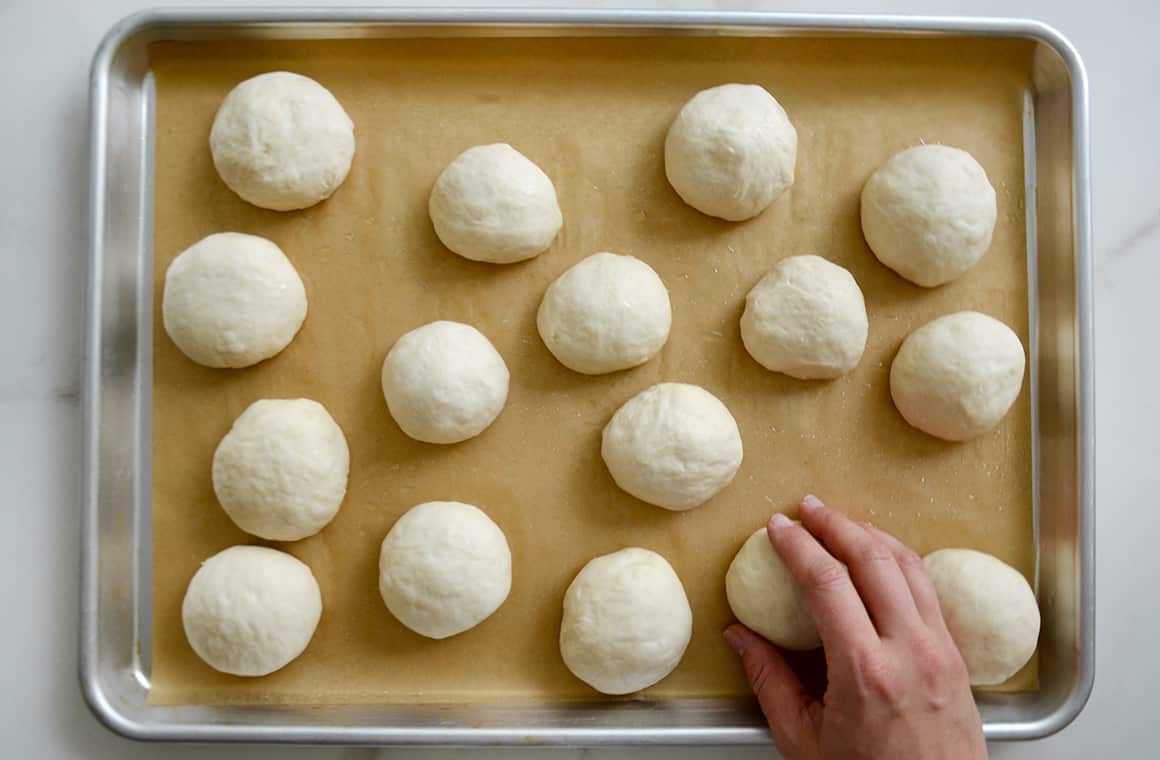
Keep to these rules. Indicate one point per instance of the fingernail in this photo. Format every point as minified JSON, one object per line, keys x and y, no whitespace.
{"x":779,"y":521}
{"x":735,"y":640}
{"x":811,"y":502}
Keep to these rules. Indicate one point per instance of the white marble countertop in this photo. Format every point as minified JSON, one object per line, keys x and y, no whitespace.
{"x":45,"y":49}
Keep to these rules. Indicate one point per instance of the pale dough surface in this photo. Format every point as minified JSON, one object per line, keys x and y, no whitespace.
{"x":232,"y":300}
{"x":607,"y":313}
{"x":493,"y":204}
{"x":731,"y":151}
{"x":281,"y":471}
{"x":929,"y":213}
{"x":281,"y":141}
{"x":444,"y":382}
{"x":990,"y":610}
{"x":956,"y":376}
{"x":674,"y":445}
{"x":249,"y":610}
{"x":806,"y":318}
{"x":627,"y":621}
{"x":593,"y":113}
{"x":444,"y":567}
{"x":765,"y":597}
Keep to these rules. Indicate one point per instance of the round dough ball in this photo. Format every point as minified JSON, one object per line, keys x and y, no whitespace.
{"x":990,"y":611}
{"x":806,"y":318}
{"x":444,"y":567}
{"x":956,"y":376}
{"x":493,"y":204}
{"x":250,"y":610}
{"x":281,"y":141}
{"x":673,"y":445}
{"x":281,"y":471}
{"x":626,"y":622}
{"x":765,"y":597}
{"x":731,"y":151}
{"x":444,"y":382}
{"x":232,"y":300}
{"x":607,"y":313}
{"x":928,"y":213}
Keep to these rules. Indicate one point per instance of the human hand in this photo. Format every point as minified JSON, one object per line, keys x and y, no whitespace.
{"x":897,"y":687}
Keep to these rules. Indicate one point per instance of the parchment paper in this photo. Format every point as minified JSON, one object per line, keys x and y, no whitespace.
{"x":593,"y":114}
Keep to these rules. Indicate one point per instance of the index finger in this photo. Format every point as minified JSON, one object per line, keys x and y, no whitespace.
{"x":838,"y":611}
{"x":872,"y":565}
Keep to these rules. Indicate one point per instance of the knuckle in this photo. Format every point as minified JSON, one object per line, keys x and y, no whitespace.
{"x":876,"y":676}
{"x":940,"y":673}
{"x":936,"y":661}
{"x":827,"y":575}
{"x":928,"y":659}
{"x":873,"y":551}
{"x":908,"y":557}
{"x":760,"y":675}
{"x":954,"y":665}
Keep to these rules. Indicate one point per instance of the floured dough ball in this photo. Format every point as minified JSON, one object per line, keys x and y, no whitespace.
{"x":957,"y":376}
{"x":281,"y":141}
{"x":444,"y":382}
{"x":990,"y":611}
{"x":806,"y":318}
{"x":627,"y":621}
{"x":250,"y":610}
{"x":731,"y":151}
{"x":232,"y":300}
{"x":605,"y":314}
{"x":444,"y":567}
{"x":765,"y":597}
{"x":281,"y":471}
{"x":492,"y":204}
{"x":928,"y":213}
{"x":673,"y":445}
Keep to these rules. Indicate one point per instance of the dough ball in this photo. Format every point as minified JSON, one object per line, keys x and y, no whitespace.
{"x":281,"y":141}
{"x":928,"y":213}
{"x":605,"y":314}
{"x":492,"y":204}
{"x":626,"y":623}
{"x":731,"y":151}
{"x":806,"y":318}
{"x":444,"y":382}
{"x":281,"y":471}
{"x":673,"y":445}
{"x":990,"y":611}
{"x":956,"y":376}
{"x":765,"y":597}
{"x":232,"y":300}
{"x":250,"y":610}
{"x":444,"y":567}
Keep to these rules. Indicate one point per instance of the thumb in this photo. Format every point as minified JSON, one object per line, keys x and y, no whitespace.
{"x":784,"y":702}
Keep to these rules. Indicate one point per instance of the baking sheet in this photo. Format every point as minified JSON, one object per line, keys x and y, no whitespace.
{"x":592,"y":112}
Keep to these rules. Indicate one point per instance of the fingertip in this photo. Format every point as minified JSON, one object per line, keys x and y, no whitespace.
{"x":812,"y":511}
{"x":810,"y":503}
{"x":735,"y":638}
{"x":774,"y":528}
{"x":779,"y":521}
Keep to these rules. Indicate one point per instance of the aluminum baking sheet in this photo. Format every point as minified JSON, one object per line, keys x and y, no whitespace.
{"x":1054,"y":138}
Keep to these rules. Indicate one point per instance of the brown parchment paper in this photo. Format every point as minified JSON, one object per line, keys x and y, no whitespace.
{"x":593,"y":114}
